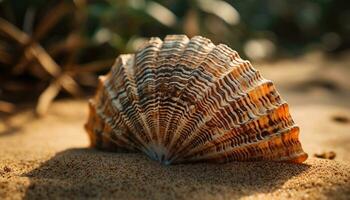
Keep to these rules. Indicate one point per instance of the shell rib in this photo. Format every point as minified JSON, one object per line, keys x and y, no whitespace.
{"x":188,"y":100}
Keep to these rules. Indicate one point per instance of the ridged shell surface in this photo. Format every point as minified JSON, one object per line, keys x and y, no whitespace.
{"x":188,"y":100}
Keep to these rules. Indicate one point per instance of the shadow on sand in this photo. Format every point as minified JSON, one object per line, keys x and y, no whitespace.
{"x":87,"y":173}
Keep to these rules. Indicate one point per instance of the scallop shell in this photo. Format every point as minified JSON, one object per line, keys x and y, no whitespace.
{"x":188,"y":100}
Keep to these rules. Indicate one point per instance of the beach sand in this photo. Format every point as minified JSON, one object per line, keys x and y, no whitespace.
{"x":48,"y":158}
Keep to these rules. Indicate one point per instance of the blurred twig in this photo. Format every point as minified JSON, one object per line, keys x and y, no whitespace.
{"x":5,"y":57}
{"x":6,"y":107}
{"x":34,"y":51}
{"x":44,"y":26}
{"x":45,"y":60}
{"x":51,"y":20}
{"x":92,"y":67}
{"x":47,"y":97}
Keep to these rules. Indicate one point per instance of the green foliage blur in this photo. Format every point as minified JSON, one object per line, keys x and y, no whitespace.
{"x":118,"y":26}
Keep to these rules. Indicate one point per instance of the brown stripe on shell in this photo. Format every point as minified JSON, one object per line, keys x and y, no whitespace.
{"x":145,"y":59}
{"x":200,"y":81}
{"x":171,"y":77}
{"x":283,"y":146}
{"x":172,"y":50}
{"x":105,"y":126}
{"x":230,"y":84}
{"x":121,"y":79}
{"x":234,"y":113}
{"x":252,"y":131}
{"x":196,"y":51}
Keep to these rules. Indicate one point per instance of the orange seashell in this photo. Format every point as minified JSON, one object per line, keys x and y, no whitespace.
{"x":188,"y":100}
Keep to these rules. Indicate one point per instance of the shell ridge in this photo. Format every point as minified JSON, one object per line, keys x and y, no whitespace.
{"x":138,"y":115}
{"x":224,"y":104}
{"x":96,"y":112}
{"x":179,"y":86}
{"x":253,"y":126}
{"x":234,"y":148}
{"x":136,"y":139}
{"x":170,"y":52}
{"x":193,"y":78}
{"x":190,"y":81}
{"x":155,"y":119}
{"x":277,"y":151}
{"x":181,"y":43}
{"x":124,"y":106}
{"x":145,"y":80}
{"x":210,"y":85}
{"x":219,"y":105}
{"x":120,"y":140}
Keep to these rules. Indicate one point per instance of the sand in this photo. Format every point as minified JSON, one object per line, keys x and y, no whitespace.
{"x":48,"y":158}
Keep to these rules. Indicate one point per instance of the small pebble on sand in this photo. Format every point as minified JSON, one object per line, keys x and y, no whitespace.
{"x":326,"y":155}
{"x":7,"y":169}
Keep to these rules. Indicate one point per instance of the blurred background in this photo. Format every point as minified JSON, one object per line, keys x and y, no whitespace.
{"x":53,"y":49}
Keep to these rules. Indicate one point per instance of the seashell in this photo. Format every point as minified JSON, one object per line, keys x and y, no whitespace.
{"x":187,"y":100}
